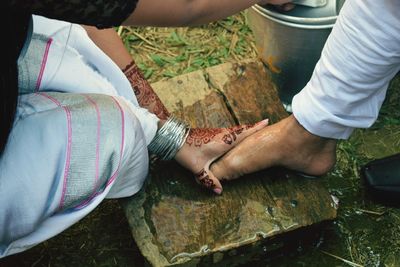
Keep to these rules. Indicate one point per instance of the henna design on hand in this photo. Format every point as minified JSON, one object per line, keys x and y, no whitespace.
{"x":204,"y":179}
{"x":200,"y":136}
{"x":145,"y":95}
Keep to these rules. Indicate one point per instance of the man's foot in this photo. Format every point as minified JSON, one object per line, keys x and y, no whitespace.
{"x":286,"y":144}
{"x":203,"y":146}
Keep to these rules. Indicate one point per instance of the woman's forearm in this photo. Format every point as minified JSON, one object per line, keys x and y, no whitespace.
{"x":188,"y":12}
{"x":111,"y":44}
{"x":104,"y":14}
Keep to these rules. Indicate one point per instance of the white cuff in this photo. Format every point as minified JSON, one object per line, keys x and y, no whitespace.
{"x":315,"y":119}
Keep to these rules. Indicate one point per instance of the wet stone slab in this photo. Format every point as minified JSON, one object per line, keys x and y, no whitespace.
{"x":175,"y":222}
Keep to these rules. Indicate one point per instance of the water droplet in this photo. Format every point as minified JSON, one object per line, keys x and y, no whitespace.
{"x":270,"y":211}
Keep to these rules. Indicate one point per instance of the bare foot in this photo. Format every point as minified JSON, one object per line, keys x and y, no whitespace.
{"x":286,"y":144}
{"x":203,"y":146}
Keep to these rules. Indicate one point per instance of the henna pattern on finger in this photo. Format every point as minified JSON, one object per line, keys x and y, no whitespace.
{"x":200,"y":136}
{"x":145,"y":95}
{"x":229,"y":138}
{"x":239,"y":128}
{"x":204,"y":179}
{"x":234,"y":131}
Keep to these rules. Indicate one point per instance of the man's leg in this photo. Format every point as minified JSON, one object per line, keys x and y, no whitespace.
{"x":346,"y":91}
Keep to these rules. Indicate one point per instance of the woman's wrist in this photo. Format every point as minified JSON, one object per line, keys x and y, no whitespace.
{"x":169,"y":139}
{"x":161,"y":123}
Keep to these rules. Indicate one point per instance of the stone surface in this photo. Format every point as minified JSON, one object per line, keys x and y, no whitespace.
{"x":249,"y":91}
{"x":175,"y":222}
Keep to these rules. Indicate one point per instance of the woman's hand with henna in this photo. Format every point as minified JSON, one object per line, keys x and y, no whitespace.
{"x":204,"y":145}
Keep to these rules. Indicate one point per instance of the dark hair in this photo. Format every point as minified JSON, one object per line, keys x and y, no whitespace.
{"x":15,"y":24}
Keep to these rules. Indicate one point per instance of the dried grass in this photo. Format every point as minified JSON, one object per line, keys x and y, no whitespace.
{"x":167,"y":52}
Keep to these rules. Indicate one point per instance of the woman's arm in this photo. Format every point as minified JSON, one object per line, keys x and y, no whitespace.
{"x":111,"y":44}
{"x":188,"y":12}
{"x":103,"y":14}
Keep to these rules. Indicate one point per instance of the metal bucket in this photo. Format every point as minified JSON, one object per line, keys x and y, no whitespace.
{"x":290,"y":43}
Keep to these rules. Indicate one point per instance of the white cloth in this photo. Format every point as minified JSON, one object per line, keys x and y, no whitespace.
{"x":98,"y":73}
{"x":82,"y":128}
{"x":350,"y":81}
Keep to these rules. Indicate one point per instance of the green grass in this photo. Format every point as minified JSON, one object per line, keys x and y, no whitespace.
{"x":166,"y":52}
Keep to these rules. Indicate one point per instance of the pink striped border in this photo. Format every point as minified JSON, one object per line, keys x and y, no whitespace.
{"x":122,"y":141}
{"x":69,"y":145}
{"x":95,"y":193}
{"x":43,"y":65}
{"x":114,"y":175}
{"x":98,"y":138}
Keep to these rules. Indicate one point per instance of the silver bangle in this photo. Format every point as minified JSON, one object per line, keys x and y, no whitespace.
{"x":169,"y":139}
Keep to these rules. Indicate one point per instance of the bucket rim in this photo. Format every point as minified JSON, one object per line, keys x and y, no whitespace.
{"x":324,"y":21}
{"x":330,"y":24}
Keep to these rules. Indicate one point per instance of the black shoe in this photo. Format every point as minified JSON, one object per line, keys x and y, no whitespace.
{"x":382,"y":179}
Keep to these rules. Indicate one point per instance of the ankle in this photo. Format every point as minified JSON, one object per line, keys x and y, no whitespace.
{"x":323,"y":159}
{"x":315,"y":155}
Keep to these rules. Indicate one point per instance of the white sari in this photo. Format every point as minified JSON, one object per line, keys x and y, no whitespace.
{"x":79,"y":137}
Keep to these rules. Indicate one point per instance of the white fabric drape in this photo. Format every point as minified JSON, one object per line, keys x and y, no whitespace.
{"x":78,"y":130}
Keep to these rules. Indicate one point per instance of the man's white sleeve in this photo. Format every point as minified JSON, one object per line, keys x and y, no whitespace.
{"x":359,"y":59}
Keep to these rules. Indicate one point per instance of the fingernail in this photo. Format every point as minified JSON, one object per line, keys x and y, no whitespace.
{"x":266,"y":121}
{"x":218,"y":191}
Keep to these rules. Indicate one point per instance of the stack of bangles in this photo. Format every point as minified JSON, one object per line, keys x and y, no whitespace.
{"x":169,"y":139}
